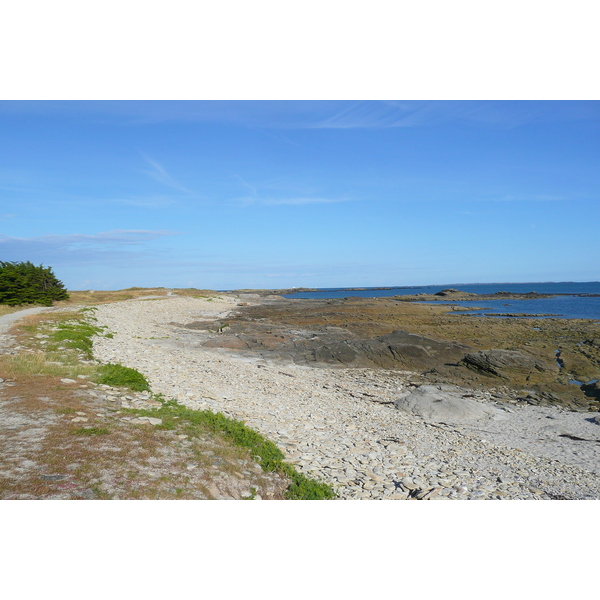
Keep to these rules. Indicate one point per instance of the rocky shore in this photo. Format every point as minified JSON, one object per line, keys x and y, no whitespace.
{"x":442,"y":295}
{"x":345,"y":424}
{"x":537,"y":359}
{"x":458,"y":295}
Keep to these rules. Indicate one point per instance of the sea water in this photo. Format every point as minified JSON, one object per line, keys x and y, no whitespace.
{"x":566,"y":305}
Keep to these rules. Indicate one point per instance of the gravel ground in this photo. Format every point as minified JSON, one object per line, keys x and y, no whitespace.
{"x":340,"y":425}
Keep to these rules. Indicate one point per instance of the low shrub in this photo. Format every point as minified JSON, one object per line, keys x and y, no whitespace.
{"x":77,"y":335}
{"x":120,"y":376}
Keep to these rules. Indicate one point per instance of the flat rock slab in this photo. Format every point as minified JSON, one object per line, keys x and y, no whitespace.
{"x":446,"y":402}
{"x":147,"y":421}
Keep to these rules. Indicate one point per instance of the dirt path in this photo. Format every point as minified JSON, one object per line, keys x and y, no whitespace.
{"x":7,"y":321}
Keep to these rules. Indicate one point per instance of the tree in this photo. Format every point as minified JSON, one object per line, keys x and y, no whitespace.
{"x":24,"y":283}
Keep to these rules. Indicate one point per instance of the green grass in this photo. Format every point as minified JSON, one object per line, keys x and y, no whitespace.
{"x":120,"y":376}
{"x":252,"y":495}
{"x":268,"y":455}
{"x":76,"y":335}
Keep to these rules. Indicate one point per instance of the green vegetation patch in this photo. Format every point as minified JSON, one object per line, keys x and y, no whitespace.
{"x":117,"y":375}
{"x":267,"y":454}
{"x":76,"y":334}
{"x":60,"y":341}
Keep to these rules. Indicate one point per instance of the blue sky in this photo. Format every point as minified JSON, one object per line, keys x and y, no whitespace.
{"x":260,"y":194}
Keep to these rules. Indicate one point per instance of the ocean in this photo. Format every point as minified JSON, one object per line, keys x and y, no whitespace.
{"x":567,"y":305}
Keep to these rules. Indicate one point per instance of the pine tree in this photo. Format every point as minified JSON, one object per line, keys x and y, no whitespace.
{"x":24,"y":283}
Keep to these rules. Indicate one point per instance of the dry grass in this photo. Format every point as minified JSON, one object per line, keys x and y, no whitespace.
{"x":40,"y":364}
{"x":37,"y":360}
{"x":103,"y":297}
{"x":93,"y":297}
{"x":45,"y":454}
{"x":27,"y":324}
{"x":90,"y":297}
{"x":195,"y":293}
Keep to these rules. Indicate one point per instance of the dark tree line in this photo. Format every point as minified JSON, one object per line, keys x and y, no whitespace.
{"x":24,"y":283}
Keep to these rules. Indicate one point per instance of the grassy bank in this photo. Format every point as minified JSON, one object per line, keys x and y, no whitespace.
{"x":58,"y":346}
{"x":194,"y":423}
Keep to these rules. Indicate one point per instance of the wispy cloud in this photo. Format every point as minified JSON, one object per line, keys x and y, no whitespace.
{"x":114,"y":236}
{"x":280,"y":191}
{"x":252,"y":189}
{"x":6,"y":216}
{"x":160,"y":174}
{"x":386,"y":114}
{"x":335,"y":114}
{"x":106,"y":246}
{"x":362,"y":115}
{"x":303,"y":201}
{"x":488,"y":113}
{"x":531,"y":198}
{"x":144,"y":201}
{"x":253,"y":200}
{"x":8,"y":188}
{"x":280,"y":137}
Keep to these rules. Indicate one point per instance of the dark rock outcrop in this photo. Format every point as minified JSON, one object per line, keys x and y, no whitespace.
{"x":409,"y":351}
{"x":398,"y":349}
{"x":502,"y":363}
{"x":591,"y":390}
{"x":453,"y":292}
{"x":331,"y":354}
{"x":356,"y":333}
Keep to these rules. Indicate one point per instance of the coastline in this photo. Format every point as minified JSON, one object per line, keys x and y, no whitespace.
{"x":433,"y":340}
{"x":331,"y":383}
{"x":339,"y":423}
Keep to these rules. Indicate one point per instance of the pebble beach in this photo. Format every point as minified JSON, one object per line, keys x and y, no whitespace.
{"x":341,"y":426}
